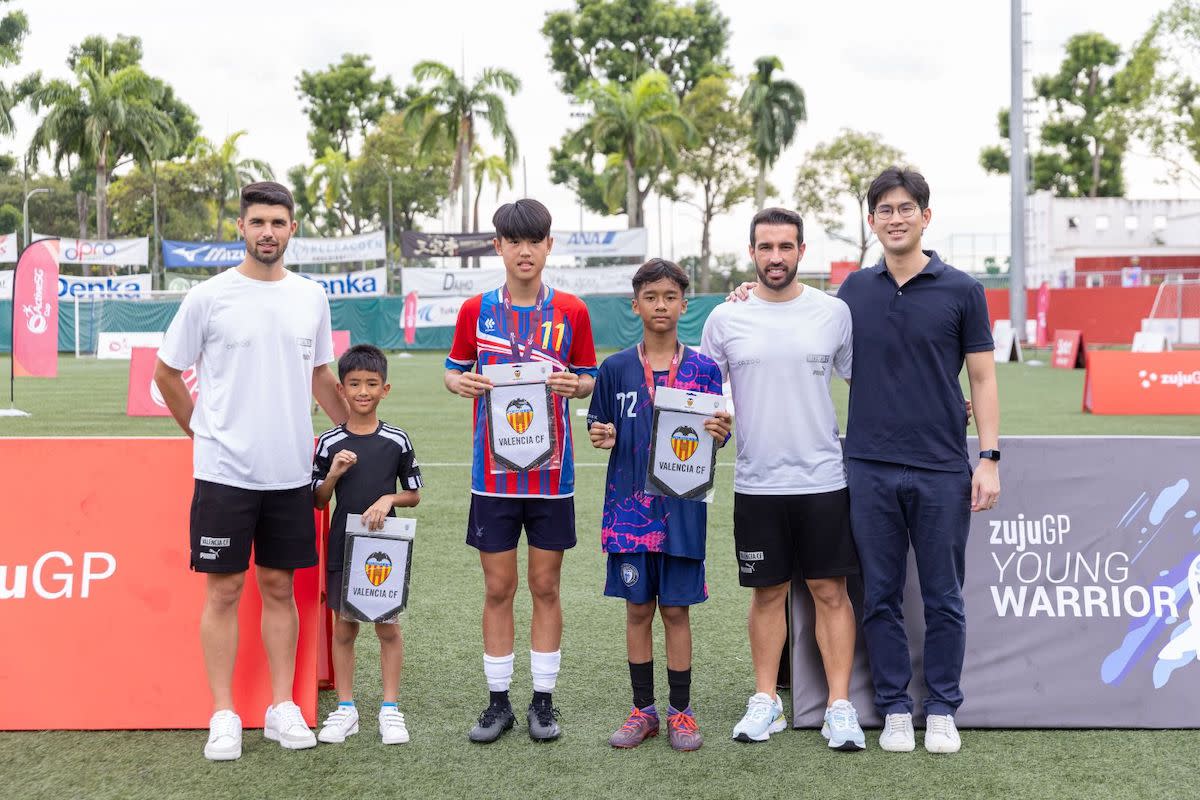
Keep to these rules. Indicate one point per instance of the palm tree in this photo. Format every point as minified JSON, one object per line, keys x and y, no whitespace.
{"x":449,"y":111}
{"x":776,"y":108}
{"x":230,"y":170}
{"x":640,"y":128}
{"x":491,"y":169}
{"x":329,"y":185}
{"x":102,"y":119}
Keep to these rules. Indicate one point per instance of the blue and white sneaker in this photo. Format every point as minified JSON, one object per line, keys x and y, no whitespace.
{"x":764,"y":716}
{"x":841,"y":727}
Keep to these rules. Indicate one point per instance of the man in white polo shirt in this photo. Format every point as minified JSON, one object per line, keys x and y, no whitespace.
{"x":261,"y":342}
{"x":791,"y":515}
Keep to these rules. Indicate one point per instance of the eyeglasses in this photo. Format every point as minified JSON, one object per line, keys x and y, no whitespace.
{"x":905,"y":210}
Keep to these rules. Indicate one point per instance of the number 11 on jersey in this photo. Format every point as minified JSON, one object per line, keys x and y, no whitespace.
{"x":547,"y":329}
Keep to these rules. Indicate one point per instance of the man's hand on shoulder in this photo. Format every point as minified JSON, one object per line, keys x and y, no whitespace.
{"x":741,"y":292}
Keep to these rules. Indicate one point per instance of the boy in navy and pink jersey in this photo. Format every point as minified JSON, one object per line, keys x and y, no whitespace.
{"x":655,"y":544}
{"x":522,"y":321}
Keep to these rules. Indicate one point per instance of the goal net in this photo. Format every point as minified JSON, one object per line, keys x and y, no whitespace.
{"x":107,"y":325}
{"x":1176,"y":312}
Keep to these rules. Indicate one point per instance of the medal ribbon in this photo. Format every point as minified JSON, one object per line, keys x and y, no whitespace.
{"x":672,"y":371}
{"x":514,"y":322}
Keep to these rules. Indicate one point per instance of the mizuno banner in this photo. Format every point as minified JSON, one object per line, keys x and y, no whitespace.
{"x":181,"y":255}
{"x":113,"y":252}
{"x":35,"y":311}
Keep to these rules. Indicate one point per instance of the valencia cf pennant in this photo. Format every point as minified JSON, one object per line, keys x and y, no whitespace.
{"x":685,"y":455}
{"x":520,"y":417}
{"x":376,"y":569}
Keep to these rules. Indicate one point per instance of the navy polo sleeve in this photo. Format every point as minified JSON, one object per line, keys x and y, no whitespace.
{"x":976,"y":327}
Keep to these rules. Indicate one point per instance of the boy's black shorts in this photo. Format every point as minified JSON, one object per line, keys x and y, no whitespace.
{"x":494,"y":523}
{"x":228,"y":520}
{"x":778,"y":537}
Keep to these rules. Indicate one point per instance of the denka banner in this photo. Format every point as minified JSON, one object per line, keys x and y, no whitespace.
{"x":113,"y":252}
{"x":8,"y":248}
{"x":336,"y":250}
{"x":1123,"y":382}
{"x":110,"y":286}
{"x":1082,"y":594}
{"x":143,"y":398}
{"x":367,"y":283}
{"x":582,"y":244}
{"x":35,"y":311}
{"x":467,"y":282}
{"x":177,"y":255}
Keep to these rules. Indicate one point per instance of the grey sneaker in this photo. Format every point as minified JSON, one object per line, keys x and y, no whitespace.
{"x":542,"y":727}
{"x":493,"y":722}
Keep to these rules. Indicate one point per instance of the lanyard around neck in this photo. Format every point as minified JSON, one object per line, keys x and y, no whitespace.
{"x":514,"y":322}
{"x":672,"y":371}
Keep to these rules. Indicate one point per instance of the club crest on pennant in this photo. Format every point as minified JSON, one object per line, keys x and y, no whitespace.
{"x":684,"y":442}
{"x":377,"y":567}
{"x":520,"y":414}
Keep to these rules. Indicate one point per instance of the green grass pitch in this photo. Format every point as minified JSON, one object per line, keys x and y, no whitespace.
{"x":443,"y":687}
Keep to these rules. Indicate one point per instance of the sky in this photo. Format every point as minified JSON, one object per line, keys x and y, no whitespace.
{"x":927,"y":78}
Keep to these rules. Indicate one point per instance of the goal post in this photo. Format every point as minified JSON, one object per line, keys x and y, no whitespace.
{"x":1176,"y":312}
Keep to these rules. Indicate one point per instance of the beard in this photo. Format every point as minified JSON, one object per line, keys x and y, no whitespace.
{"x":268,"y":259}
{"x":788,"y":278}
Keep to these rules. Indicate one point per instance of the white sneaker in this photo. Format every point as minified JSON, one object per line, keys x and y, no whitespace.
{"x":285,"y":724}
{"x":391,"y":726}
{"x":764,"y":716}
{"x":897,"y":735}
{"x":224,"y":737}
{"x":941,"y":735}
{"x":341,"y":722}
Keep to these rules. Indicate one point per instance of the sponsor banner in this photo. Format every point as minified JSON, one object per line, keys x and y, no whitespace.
{"x":366,"y":283}
{"x":336,"y":250}
{"x":6,"y":284}
{"x":143,"y":399}
{"x":35,"y":311}
{"x":121,"y":287}
{"x":440,"y":312}
{"x":178,"y":255}
{"x":409,"y":319}
{"x":114,"y":252}
{"x":1124,"y":382}
{"x":1043,"y":310}
{"x":8,"y":248}
{"x":178,"y":283}
{"x":1082,"y":594}
{"x":84,"y":562}
{"x":1069,"y":349}
{"x":583,"y":244}
{"x":467,"y":282}
{"x":120,"y":345}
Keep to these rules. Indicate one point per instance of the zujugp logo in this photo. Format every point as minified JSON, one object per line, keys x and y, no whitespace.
{"x":684,"y":441}
{"x":520,"y":414}
{"x":1145,"y":569}
{"x":377,"y":566}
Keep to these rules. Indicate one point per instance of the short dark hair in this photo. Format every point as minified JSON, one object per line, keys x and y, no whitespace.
{"x":778,"y":216}
{"x":267,"y":193}
{"x":362,"y":358}
{"x":524,"y":220}
{"x":655,"y":270}
{"x":904,"y":178}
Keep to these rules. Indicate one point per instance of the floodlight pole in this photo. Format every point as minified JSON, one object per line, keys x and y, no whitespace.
{"x":1016,"y":169}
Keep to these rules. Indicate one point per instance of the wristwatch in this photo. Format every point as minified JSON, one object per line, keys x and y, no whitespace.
{"x":993,"y":455}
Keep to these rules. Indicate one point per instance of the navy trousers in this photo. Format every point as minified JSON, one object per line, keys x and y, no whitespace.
{"x":891,"y":506}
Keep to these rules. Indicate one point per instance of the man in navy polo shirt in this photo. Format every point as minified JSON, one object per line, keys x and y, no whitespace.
{"x":916,"y":320}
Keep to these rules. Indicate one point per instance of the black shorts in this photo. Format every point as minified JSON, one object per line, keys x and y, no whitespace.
{"x":778,"y":537}
{"x":494,"y":524}
{"x":227,"y":520}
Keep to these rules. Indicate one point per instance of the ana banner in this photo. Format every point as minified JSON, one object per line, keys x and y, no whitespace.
{"x":35,"y":311}
{"x":467,"y":282}
{"x":365,"y":283}
{"x":143,"y":399}
{"x":336,"y":250}
{"x":1082,"y":594}
{"x":581,"y":244}
{"x":113,"y":252}
{"x":120,"y":287}
{"x":8,"y":248}
{"x":119,"y":345}
{"x":177,"y":255}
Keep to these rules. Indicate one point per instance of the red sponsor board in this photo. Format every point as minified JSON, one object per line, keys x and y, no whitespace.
{"x":341,"y":343}
{"x":35,"y":311}
{"x":410,"y":318}
{"x":95,"y":585}
{"x":143,"y":398}
{"x":838,"y":270}
{"x":1069,"y":352}
{"x":1124,"y":382}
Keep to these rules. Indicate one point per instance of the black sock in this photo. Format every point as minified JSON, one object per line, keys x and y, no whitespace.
{"x":542,"y":699}
{"x":680,"y":681}
{"x":500,"y":698}
{"x":641,"y":676}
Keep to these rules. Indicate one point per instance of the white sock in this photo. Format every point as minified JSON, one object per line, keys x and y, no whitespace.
{"x":498,"y":671}
{"x":544,"y":667}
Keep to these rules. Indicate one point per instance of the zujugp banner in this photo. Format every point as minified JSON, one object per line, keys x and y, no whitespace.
{"x":111,"y":252}
{"x":467,"y":282}
{"x":593,"y":244}
{"x":1082,"y":594}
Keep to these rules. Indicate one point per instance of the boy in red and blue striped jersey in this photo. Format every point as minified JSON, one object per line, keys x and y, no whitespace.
{"x":522,"y":321}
